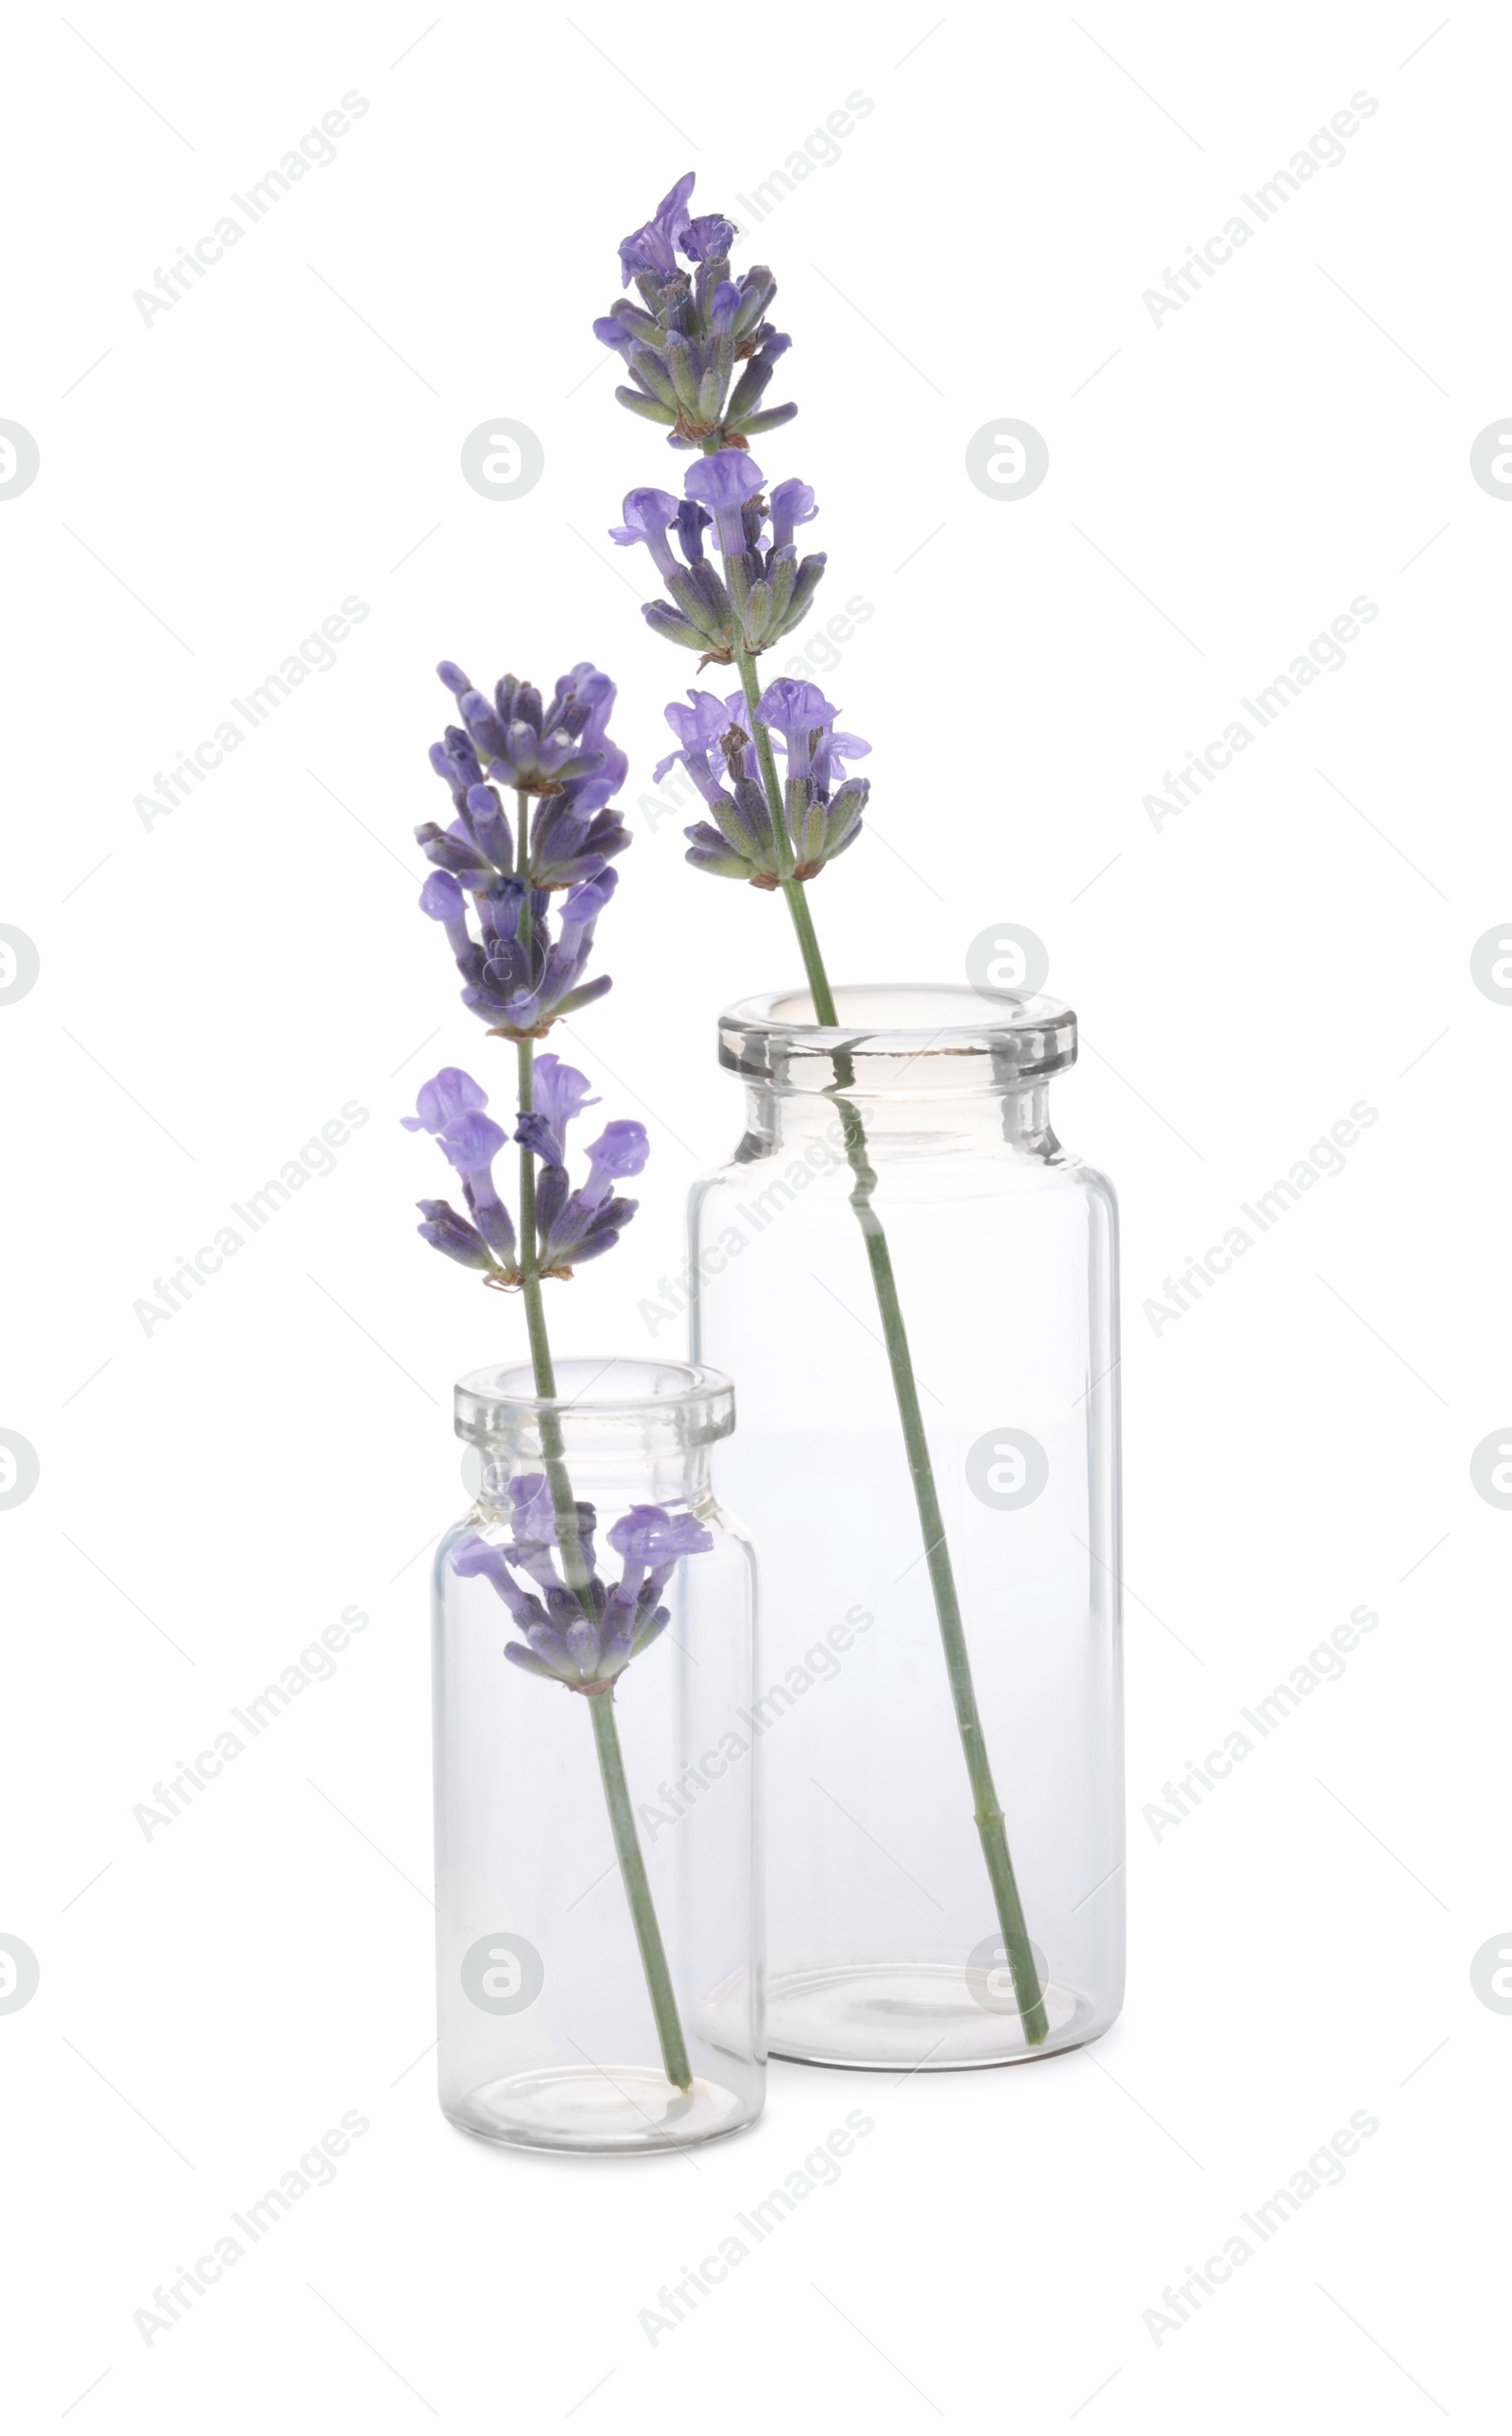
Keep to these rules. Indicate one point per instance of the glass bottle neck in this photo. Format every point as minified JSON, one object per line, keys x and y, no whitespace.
{"x":651,"y":1470}
{"x":640,"y":1432}
{"x":813,"y":1123}
{"x":920,"y":1064}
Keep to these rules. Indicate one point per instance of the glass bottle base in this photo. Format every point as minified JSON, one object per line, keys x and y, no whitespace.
{"x":887,"y":2016}
{"x":628,"y":2111}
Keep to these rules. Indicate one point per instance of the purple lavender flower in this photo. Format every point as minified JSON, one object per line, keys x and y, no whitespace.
{"x":561,"y":1094}
{"x":577,"y":1226}
{"x":793,"y":503}
{"x":833,"y":750}
{"x":723,"y":484}
{"x":472,"y":1142}
{"x":652,"y":250}
{"x":586,"y":1640}
{"x":450,"y":1107}
{"x":442,"y":898}
{"x":682,"y":344}
{"x":623,"y":1149}
{"x":698,"y":730}
{"x":562,"y":989}
{"x":573,"y":1230}
{"x":482,"y":830}
{"x":532,"y":1513}
{"x":707,"y":238}
{"x":740,"y":841}
{"x":823,"y":818}
{"x":453,"y":1235}
{"x":799,"y":714}
{"x":445,"y":1097}
{"x":648,"y":1538}
{"x":692,"y":523}
{"x":648,"y":513}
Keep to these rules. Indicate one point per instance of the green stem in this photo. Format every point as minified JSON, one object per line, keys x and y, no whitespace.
{"x":574,"y":1566}
{"x":814,"y":963}
{"x":638,"y":1889}
{"x":988,"y":1810}
{"x":745,"y":663}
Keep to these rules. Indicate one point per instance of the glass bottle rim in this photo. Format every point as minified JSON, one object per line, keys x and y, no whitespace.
{"x":696,"y":1401}
{"x":922,"y":1036}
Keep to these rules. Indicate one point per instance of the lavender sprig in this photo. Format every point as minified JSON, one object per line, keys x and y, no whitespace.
{"x":523,"y":965}
{"x":781,"y":832}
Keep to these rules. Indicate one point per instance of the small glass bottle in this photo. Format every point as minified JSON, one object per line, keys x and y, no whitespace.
{"x":597,"y":1865}
{"x":940,"y":1706}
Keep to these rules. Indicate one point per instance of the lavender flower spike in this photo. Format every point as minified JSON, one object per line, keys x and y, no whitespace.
{"x":764,"y":589}
{"x":584,"y":1643}
{"x":517,"y":977}
{"x":697,"y":348}
{"x":821,"y":808}
{"x":498,"y":919}
{"x":528,"y":744}
{"x":562,"y":753}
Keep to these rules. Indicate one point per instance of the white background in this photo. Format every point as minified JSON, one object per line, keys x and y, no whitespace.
{"x":214,"y":988}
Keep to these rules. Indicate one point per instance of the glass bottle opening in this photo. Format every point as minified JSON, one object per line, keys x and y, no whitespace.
{"x":599,"y":1403}
{"x":911,"y":1038}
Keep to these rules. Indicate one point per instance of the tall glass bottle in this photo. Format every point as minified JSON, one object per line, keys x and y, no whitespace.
{"x":917,"y":1683}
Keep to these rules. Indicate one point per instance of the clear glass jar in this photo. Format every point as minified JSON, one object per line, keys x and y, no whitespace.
{"x":597,"y":1865}
{"x":928,"y":1667}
